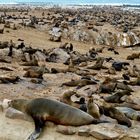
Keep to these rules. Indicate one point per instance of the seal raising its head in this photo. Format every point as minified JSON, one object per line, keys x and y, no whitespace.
{"x":42,"y":110}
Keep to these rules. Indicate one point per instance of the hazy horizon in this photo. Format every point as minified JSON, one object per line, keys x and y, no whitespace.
{"x":74,"y":1}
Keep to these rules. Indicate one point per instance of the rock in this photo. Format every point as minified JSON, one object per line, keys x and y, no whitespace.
{"x":117,"y":39}
{"x":66,"y":130}
{"x":80,"y":35}
{"x":15,"y":114}
{"x":103,"y":37}
{"x":59,"y":56}
{"x":104,"y":134}
{"x":131,"y":137}
{"x":84,"y":131}
{"x":55,"y":34}
{"x":40,"y":56}
{"x":27,"y":57}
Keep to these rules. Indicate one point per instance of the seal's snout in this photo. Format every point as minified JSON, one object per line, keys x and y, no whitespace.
{"x":6,"y":103}
{"x":9,"y":103}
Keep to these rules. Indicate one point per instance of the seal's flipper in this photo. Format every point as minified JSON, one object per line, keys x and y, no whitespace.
{"x":34,"y":135}
{"x":95,"y":121}
{"x":39,"y":124}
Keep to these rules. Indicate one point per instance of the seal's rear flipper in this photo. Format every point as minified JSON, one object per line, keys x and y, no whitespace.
{"x":99,"y":121}
{"x":39,"y":124}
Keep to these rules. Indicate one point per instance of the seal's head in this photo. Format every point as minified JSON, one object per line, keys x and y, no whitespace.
{"x":18,"y":104}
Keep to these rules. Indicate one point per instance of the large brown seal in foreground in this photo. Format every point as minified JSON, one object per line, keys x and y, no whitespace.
{"x":42,"y":110}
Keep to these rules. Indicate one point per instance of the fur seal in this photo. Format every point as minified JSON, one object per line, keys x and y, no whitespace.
{"x":93,"y":109}
{"x":10,"y":79}
{"x":82,"y":104}
{"x":116,"y":98}
{"x":119,"y":65}
{"x":99,"y":50}
{"x":116,"y":53}
{"x":116,"y":114}
{"x":66,"y":98}
{"x":134,"y":72}
{"x":35,"y":72}
{"x":92,"y":53}
{"x":79,"y":83}
{"x":133,"y":56}
{"x":107,"y":86}
{"x":135,"y":82}
{"x":98,"y":65}
{"x":21,"y":46}
{"x":126,"y":77}
{"x":11,"y":48}
{"x":42,"y":110}
{"x":111,"y":70}
{"x":124,"y":86}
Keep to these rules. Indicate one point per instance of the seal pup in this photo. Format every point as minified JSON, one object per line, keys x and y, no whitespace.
{"x":126,"y":77}
{"x":82,"y":104}
{"x":119,"y":65}
{"x":21,"y":46}
{"x":93,"y":109}
{"x":42,"y":110}
{"x":116,"y":53}
{"x":11,"y":48}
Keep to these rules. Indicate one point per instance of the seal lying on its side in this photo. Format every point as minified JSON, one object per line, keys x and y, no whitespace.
{"x":42,"y":110}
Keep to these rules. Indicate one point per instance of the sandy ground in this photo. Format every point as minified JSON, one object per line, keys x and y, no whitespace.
{"x":18,"y":129}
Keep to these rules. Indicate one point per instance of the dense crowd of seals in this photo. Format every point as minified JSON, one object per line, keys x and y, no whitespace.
{"x":94,"y":74}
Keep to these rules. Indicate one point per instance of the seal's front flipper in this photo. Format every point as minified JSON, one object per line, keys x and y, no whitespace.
{"x":34,"y":135}
{"x":39,"y":124}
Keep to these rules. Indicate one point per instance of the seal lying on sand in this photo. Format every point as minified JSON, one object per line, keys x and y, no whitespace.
{"x":42,"y":110}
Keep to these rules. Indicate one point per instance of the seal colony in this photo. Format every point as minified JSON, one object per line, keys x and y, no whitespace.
{"x":95,"y":79}
{"x":42,"y":110}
